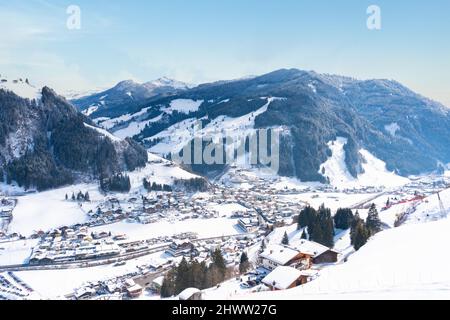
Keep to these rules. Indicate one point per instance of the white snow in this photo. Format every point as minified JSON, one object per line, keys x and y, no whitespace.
{"x":11,"y":189}
{"x":20,"y":88}
{"x":48,"y":210}
{"x":392,"y":128}
{"x":429,"y":209}
{"x":90,"y":110}
{"x":375,"y":172}
{"x":178,"y":135}
{"x":205,"y":228}
{"x":410,"y":262}
{"x":184,"y":105}
{"x":282,"y":277}
{"x":158,"y":170}
{"x":108,"y":123}
{"x":167,"y":82}
{"x":105,"y":133}
{"x":135,"y":127}
{"x":16,"y":252}
{"x":312,"y":87}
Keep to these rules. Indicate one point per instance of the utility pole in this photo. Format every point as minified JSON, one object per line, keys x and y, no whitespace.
{"x":441,"y":206}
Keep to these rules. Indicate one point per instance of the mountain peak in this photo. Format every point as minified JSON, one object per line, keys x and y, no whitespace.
{"x":126,"y":84}
{"x":167,"y":82}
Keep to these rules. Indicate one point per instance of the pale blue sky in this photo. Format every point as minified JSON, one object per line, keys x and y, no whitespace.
{"x":205,"y":40}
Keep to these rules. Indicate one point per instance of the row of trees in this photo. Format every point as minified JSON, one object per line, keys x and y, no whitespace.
{"x":156,"y":187}
{"x":320,"y":225}
{"x":81,"y":197}
{"x":116,"y":183}
{"x":194,"y":274}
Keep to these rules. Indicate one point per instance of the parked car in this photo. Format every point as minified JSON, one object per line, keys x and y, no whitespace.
{"x":244,"y":285}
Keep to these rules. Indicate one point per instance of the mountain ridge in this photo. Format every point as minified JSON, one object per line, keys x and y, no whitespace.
{"x":318,"y":108}
{"x":46,"y":143}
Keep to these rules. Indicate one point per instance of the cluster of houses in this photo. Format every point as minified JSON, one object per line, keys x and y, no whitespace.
{"x":200,"y":250}
{"x":155,"y":207}
{"x":123,"y":287}
{"x":292,"y":265}
{"x":66,"y":244}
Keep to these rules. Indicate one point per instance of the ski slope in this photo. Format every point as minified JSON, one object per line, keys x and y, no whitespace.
{"x":375,"y":173}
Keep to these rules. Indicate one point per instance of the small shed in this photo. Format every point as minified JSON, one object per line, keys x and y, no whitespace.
{"x":157,"y":284}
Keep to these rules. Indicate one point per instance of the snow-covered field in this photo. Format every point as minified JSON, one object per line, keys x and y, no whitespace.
{"x":158,"y":170}
{"x":183,"y":106}
{"x":105,"y":133}
{"x":135,"y":127}
{"x":205,"y":228}
{"x":429,"y":210}
{"x":48,"y":210}
{"x":16,"y":252}
{"x":21,"y":88}
{"x":375,"y":172}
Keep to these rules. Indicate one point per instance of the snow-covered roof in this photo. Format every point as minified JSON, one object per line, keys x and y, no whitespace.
{"x":159,"y":281}
{"x":282,"y":277}
{"x":279,"y":254}
{"x":311,"y":248}
{"x":134,"y":288}
{"x":188,"y":293}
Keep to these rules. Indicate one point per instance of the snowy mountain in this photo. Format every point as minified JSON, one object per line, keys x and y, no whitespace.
{"x":45,"y":142}
{"x":126,"y":96}
{"x":380,"y":120}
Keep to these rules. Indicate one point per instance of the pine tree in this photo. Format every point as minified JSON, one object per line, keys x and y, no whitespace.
{"x":360,"y":235}
{"x":322,"y":228}
{"x":285,"y":240}
{"x":67,"y":197}
{"x":306,"y":217}
{"x":73,"y":197}
{"x":87,"y":197}
{"x":263,"y":246}
{"x":244,"y":264}
{"x":304,"y":235}
{"x":373,"y":221}
{"x":182,"y":276}
{"x":219,"y":264}
{"x":168,"y":286}
{"x":343,"y":219}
